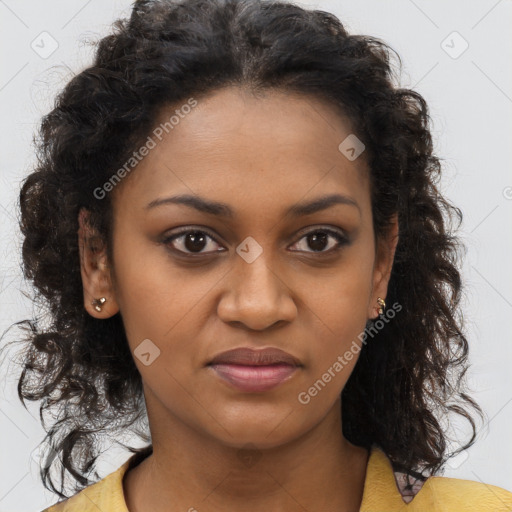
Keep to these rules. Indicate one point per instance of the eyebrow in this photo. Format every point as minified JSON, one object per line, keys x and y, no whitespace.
{"x":224,"y":210}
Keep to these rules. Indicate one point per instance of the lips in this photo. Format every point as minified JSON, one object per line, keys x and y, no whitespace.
{"x":250,"y":370}
{"x":250,"y":357}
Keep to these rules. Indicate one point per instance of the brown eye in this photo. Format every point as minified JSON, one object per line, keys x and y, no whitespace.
{"x":192,"y":242}
{"x":320,"y":239}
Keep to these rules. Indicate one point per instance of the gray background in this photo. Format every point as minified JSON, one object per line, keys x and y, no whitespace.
{"x":469,"y":94}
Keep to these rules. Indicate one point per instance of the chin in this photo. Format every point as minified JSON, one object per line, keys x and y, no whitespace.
{"x":257,"y":435}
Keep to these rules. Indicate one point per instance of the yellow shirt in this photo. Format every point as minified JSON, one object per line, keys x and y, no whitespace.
{"x":381,"y":493}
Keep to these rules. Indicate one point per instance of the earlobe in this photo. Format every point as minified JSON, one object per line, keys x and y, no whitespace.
{"x":384,"y":264}
{"x":99,"y":298}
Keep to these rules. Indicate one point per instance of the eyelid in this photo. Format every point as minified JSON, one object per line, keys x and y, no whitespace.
{"x":321,"y":227}
{"x":187,"y":229}
{"x":341,"y":238}
{"x":167,"y":239}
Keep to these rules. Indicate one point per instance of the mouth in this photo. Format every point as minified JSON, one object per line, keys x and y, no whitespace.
{"x":254,"y":378}
{"x":250,"y":370}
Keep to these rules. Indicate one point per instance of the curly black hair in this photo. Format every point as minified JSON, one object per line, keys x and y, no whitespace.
{"x":406,"y":381}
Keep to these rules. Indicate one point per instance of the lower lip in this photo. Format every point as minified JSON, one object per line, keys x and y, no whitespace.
{"x":254,"y":378}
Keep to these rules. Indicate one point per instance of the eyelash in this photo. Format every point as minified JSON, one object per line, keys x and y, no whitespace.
{"x":340,"y":238}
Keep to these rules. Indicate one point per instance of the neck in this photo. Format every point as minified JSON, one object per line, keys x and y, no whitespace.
{"x":318,"y":471}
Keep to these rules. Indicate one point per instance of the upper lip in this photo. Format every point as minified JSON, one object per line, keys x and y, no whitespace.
{"x":252,"y":357}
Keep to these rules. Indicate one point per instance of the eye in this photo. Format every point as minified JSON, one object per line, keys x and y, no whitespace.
{"x":191,"y":241}
{"x":318,"y":240}
{"x":200,"y":242}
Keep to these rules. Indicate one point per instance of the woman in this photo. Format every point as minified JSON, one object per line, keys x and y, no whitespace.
{"x":236,"y":227}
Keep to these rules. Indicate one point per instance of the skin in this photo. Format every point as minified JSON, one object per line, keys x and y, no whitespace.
{"x":260,"y":156}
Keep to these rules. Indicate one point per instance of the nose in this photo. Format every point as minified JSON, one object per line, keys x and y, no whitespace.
{"x":256,"y":296}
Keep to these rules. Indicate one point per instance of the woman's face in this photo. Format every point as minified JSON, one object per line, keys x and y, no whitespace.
{"x":264,"y":270}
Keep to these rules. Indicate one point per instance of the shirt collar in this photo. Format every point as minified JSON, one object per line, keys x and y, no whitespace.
{"x":380,"y":487}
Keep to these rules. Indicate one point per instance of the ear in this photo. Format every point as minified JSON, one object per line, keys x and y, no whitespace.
{"x":385,"y":254}
{"x":94,"y":268}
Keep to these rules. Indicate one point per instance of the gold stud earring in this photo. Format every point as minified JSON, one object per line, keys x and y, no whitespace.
{"x":382,"y":305}
{"x":98,"y":303}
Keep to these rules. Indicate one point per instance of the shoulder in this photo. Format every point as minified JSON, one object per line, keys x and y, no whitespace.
{"x":389,"y":491}
{"x":454,"y":492}
{"x":468,"y":495}
{"x":105,"y":495}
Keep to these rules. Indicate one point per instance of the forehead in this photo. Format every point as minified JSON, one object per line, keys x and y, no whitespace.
{"x":232,"y":144}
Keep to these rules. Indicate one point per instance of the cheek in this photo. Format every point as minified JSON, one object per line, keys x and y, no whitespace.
{"x":155,"y":297}
{"x":339,"y":301}
{"x":337,"y":319}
